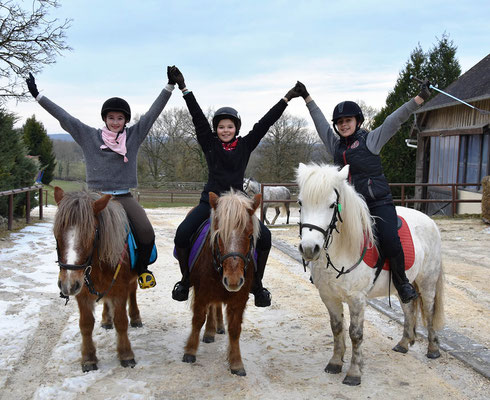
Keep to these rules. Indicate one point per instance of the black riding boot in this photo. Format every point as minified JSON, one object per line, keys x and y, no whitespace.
{"x":405,"y":289}
{"x":146,"y":279}
{"x":262,"y":295}
{"x":181,"y":288}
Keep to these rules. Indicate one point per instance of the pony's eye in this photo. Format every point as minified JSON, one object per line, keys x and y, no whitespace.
{"x":299,"y":202}
{"x":332,"y":205}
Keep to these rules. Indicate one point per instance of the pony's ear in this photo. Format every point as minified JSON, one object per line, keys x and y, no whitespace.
{"x":344,"y":172}
{"x":213,"y":200}
{"x":101,"y":203}
{"x":256,"y":204}
{"x":58,"y":194}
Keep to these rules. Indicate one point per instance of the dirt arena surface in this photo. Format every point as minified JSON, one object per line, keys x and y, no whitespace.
{"x":284,"y":347}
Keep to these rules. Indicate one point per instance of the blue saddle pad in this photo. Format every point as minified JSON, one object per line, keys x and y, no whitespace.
{"x":133,"y":250}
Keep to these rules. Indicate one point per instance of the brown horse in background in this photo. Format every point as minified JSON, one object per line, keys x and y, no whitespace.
{"x":90,"y":233}
{"x":223,"y":273}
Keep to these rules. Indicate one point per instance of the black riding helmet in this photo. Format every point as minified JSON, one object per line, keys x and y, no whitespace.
{"x":347,"y":109}
{"x":227,"y":113}
{"x":116,"y":104}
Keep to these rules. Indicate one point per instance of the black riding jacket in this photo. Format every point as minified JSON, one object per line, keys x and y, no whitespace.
{"x":365,"y":170}
{"x":226,"y":169}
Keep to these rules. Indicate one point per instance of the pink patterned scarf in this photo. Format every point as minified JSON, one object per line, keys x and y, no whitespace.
{"x":115,"y":141}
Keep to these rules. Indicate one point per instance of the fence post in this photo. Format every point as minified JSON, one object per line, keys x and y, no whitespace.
{"x":41,"y":202}
{"x":453,"y":198}
{"x":28,"y":207}
{"x":11,"y":212}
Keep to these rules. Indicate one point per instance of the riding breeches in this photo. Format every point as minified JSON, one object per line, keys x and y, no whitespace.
{"x":198,"y":215}
{"x":141,"y":228}
{"x":386,"y":229}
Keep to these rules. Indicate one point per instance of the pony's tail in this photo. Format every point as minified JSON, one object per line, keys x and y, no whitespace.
{"x":438,"y":317}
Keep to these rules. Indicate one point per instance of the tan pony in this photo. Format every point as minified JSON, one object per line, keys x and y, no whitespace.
{"x":90,"y":233}
{"x":223,"y":273}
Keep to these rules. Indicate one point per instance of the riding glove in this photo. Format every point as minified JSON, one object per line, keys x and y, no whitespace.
{"x":31,"y":85}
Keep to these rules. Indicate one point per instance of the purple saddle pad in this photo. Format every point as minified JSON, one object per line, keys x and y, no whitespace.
{"x":197,"y":243}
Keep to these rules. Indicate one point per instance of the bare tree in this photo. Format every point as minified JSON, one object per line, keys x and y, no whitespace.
{"x":29,"y":39}
{"x":287,"y":143}
{"x":170,"y":152}
{"x":369,"y":114}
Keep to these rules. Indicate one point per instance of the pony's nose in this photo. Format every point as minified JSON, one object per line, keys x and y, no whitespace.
{"x":309,"y":252}
{"x":233,"y":286}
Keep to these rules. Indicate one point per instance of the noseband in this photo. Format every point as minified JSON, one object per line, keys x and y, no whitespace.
{"x":328,"y":237}
{"x":87,"y":266}
{"x":327,"y":234}
{"x":218,"y":259}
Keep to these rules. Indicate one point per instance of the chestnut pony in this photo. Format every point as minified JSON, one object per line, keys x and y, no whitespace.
{"x":90,"y":232}
{"x":223,"y":273}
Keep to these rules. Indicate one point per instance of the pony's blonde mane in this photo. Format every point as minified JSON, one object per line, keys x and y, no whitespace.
{"x":232,"y":213}
{"x":76,"y":211}
{"x":317,"y":182}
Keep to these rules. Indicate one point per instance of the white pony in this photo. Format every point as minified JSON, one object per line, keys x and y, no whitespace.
{"x":279,"y":193}
{"x":335,"y":227}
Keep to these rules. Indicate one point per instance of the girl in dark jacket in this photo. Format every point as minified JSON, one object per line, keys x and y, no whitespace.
{"x":227,"y":157}
{"x":360,"y":149}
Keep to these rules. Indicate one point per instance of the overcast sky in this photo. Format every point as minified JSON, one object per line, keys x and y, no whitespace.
{"x":247,"y":54}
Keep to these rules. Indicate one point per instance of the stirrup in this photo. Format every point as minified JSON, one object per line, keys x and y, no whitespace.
{"x":262,"y":298}
{"x":180,"y":291}
{"x":146,"y":280}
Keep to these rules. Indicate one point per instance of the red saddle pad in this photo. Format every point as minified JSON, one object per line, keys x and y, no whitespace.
{"x":371,"y":256}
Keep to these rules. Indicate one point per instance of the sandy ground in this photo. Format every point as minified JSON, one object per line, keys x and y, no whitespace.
{"x":284,"y":347}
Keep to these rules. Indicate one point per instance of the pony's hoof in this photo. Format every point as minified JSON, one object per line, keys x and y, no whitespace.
{"x":400,"y":349}
{"x":352,"y":380}
{"x":107,"y":326}
{"x":128,"y":363}
{"x":333,"y":369}
{"x":208,"y":339}
{"x":137,"y":324}
{"x":220,"y":331}
{"x":239,"y":372}
{"x":189,"y":358}
{"x":433,"y":354}
{"x":89,"y":367}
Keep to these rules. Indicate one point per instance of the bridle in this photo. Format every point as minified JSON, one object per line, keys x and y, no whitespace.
{"x":87,"y":267}
{"x":328,"y":237}
{"x":218,"y":259}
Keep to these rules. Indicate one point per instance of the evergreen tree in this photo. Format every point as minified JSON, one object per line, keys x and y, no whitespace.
{"x":440,"y":66}
{"x":16,"y":170}
{"x":39,"y":144}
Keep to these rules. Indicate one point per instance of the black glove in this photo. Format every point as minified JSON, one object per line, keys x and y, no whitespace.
{"x":302,"y":90}
{"x":31,"y":85}
{"x":176,"y":76}
{"x":294,"y":92}
{"x":424,"y":90}
{"x":170,"y":78}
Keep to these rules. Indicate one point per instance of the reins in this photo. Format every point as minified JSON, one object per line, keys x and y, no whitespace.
{"x":87,"y":266}
{"x":328,"y":237}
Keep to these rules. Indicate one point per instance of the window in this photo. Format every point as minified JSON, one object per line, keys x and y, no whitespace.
{"x":473,"y":160}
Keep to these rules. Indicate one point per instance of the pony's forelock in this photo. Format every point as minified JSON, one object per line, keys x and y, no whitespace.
{"x":76,"y":211}
{"x":317,"y":182}
{"x":232,"y":214}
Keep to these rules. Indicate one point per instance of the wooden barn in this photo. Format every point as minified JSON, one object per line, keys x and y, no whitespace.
{"x":453,"y":141}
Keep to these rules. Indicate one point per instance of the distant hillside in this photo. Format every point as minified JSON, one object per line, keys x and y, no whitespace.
{"x":61,"y":136}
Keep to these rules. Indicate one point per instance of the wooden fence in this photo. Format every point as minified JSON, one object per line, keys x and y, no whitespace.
{"x":27,"y":190}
